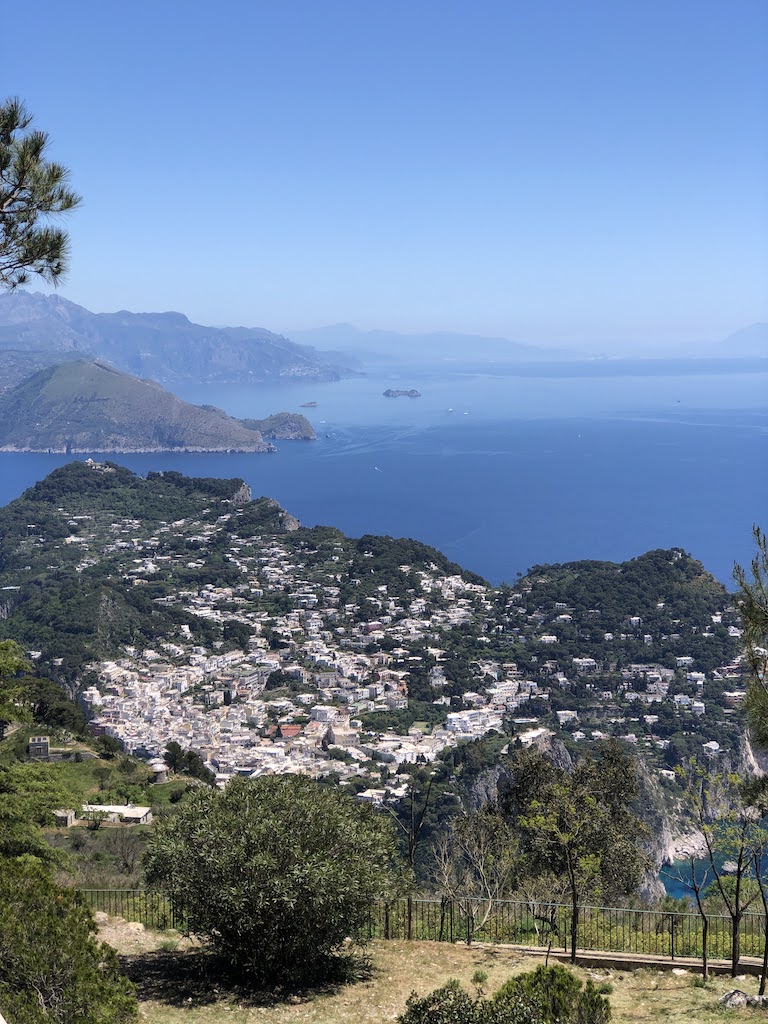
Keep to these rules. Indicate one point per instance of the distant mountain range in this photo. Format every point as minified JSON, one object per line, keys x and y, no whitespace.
{"x":38,"y":330}
{"x":89,"y":406}
{"x":372,"y":350}
{"x":437,"y":349}
{"x":748,"y":342}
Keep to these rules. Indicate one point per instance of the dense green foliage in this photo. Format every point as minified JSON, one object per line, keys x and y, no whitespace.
{"x":28,"y":793}
{"x":188,"y":762}
{"x":51,"y":967}
{"x":557,"y":995}
{"x":753,"y":606}
{"x":13,"y":698}
{"x":548,"y":995}
{"x":666,"y":595}
{"x":640,"y":583}
{"x":579,"y":827}
{"x":274,"y":873}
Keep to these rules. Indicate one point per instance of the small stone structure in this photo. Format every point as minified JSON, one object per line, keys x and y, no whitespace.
{"x":39,"y":747}
{"x":127,"y":813}
{"x":64,"y":817}
{"x":159,"y":771}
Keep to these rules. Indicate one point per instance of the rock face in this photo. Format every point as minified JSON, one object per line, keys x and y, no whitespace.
{"x":735,"y":999}
{"x":242,"y":496}
{"x":489,"y":786}
{"x":89,"y":406}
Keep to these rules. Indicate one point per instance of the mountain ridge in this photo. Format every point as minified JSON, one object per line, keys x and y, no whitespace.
{"x":378,"y":345}
{"x":166,"y":346}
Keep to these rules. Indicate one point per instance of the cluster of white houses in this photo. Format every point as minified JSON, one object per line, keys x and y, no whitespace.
{"x":218,"y":703}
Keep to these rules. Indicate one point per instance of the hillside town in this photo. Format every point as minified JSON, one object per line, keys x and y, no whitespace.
{"x":312,"y":677}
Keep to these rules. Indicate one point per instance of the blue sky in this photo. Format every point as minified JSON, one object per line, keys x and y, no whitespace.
{"x":586,"y":174}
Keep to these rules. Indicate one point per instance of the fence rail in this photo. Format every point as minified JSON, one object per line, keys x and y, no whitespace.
{"x":151,"y":909}
{"x":658,"y":933}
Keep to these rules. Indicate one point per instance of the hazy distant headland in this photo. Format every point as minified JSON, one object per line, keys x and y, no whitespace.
{"x":445,"y":351}
{"x":39,"y":330}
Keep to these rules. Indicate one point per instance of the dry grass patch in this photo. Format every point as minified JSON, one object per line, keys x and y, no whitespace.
{"x":175,"y":985}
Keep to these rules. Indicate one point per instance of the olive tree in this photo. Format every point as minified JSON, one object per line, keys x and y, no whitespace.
{"x":579,"y":825}
{"x":476,"y":864}
{"x":275,"y":873}
{"x":32,"y":189}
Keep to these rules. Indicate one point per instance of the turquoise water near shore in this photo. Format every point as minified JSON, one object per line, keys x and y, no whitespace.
{"x":671,"y":876}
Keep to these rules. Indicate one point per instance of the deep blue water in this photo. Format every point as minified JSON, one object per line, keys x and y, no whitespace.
{"x":672,"y":875}
{"x":504,"y":473}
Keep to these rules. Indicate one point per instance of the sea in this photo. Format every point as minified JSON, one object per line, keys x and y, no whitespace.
{"x":503,"y":470}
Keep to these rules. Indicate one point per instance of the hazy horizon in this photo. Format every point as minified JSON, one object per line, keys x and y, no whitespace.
{"x":305,"y":334}
{"x":577,"y":176}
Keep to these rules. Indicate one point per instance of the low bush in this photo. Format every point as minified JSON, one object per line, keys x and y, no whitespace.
{"x":548,"y":995}
{"x":557,"y":995}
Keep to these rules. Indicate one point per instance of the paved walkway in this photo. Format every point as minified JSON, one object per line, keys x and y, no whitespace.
{"x":633,"y":961}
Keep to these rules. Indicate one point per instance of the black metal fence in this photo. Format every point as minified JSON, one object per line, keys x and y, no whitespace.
{"x":149,"y":908}
{"x":657,"y":933}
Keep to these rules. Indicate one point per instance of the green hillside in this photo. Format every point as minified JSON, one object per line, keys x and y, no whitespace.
{"x":89,"y":406}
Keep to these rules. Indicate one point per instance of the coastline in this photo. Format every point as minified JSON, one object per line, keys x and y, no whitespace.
{"x":687,"y":844}
{"x":257,"y":450}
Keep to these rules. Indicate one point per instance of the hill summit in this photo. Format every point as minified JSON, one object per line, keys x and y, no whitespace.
{"x":89,"y":406}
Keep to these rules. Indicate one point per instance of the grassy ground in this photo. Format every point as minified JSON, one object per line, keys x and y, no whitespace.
{"x":173,"y":986}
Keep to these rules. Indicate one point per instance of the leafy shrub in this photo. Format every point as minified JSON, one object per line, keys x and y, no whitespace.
{"x":548,"y":995}
{"x":276,"y":873}
{"x":557,"y":996}
{"x":51,"y":967}
{"x":447,"y":1005}
{"x":479,"y":979}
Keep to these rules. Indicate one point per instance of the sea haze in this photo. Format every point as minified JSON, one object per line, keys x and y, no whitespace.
{"x":503,"y":472}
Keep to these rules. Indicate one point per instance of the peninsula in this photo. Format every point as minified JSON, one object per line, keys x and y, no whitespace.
{"x":87,"y":405}
{"x":283,"y":426}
